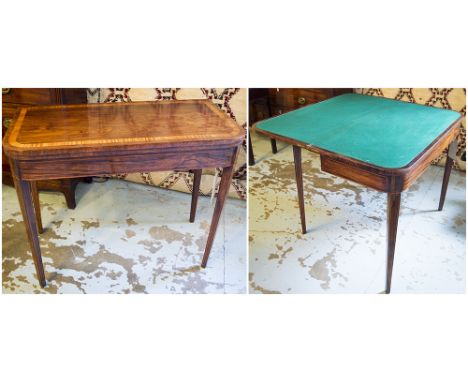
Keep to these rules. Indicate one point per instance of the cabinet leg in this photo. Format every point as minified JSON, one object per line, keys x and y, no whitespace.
{"x":393,"y":213}
{"x":195,"y":192}
{"x":274,"y":149}
{"x":448,"y":169}
{"x":251,"y":152}
{"x":24,"y":190}
{"x":222,"y":193}
{"x":37,"y":207}
{"x":300,"y":188}
{"x":68,"y":190}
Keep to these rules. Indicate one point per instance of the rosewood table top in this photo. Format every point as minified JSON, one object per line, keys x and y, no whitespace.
{"x":99,"y":127}
{"x":72,"y":141}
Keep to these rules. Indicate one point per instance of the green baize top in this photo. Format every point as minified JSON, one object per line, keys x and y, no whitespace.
{"x":375,"y":130}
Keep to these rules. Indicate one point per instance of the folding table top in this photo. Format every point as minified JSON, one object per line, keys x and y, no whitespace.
{"x":159,"y":123}
{"x":374,"y":130}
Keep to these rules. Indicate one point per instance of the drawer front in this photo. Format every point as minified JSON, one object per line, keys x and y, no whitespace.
{"x":9,"y":111}
{"x":286,"y":100}
{"x":29,"y":96}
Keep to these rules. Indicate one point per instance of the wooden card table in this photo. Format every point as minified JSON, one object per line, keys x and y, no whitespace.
{"x":54,"y":142}
{"x":377,"y":142}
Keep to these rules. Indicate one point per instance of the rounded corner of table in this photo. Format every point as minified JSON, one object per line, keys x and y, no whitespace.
{"x":410,"y":172}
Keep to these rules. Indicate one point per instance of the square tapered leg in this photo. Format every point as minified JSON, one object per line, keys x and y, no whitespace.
{"x":393,"y":213}
{"x":24,"y":190}
{"x":195,"y":192}
{"x":300,"y":187}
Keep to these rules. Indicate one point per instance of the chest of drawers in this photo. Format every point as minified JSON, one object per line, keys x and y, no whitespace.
{"x":13,"y":99}
{"x":266,"y":103}
{"x":289,"y":99}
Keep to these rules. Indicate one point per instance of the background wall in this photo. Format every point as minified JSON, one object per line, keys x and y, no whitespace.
{"x":445,"y":98}
{"x":233,"y":101}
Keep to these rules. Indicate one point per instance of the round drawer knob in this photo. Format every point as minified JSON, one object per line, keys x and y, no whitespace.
{"x":7,"y":122}
{"x":301,"y":100}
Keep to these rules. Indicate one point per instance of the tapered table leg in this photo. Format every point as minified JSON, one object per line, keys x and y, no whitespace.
{"x":24,"y":190}
{"x":222,"y":193}
{"x":274,"y":149}
{"x":448,"y":168}
{"x":393,"y":212}
{"x":37,"y":207}
{"x":195,"y":192}
{"x":300,"y":188}
{"x":251,"y":152}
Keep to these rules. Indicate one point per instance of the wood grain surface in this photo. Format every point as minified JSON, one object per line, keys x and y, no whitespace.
{"x":55,"y":142}
{"x":163,"y":123}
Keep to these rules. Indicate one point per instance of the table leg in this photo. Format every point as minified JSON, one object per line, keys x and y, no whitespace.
{"x":393,"y":212}
{"x":24,"y":190}
{"x":37,"y":207}
{"x":222,"y":193}
{"x":448,"y":168}
{"x":300,"y":189}
{"x":251,"y":152}
{"x":195,"y":192}
{"x":274,"y":149}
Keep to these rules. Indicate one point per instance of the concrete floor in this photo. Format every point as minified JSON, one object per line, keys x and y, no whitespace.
{"x":125,"y":238}
{"x":344,"y":250}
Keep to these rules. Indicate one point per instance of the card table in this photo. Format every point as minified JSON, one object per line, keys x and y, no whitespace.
{"x":377,"y":142}
{"x":54,"y":142}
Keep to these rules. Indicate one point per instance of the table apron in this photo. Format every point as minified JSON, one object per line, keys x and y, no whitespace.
{"x":122,"y":163}
{"x":348,"y":170}
{"x":387,"y":180}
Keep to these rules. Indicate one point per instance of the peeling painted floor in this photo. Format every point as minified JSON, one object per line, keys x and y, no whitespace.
{"x":344,"y":250}
{"x":125,"y":238}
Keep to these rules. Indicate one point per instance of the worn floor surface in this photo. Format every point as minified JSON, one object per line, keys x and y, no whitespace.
{"x":125,"y":238}
{"x":344,"y":250}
